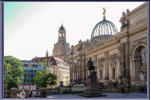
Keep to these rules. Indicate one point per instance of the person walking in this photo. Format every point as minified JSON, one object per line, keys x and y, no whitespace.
{"x":23,"y":94}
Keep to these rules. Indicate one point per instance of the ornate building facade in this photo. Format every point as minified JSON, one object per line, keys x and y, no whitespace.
{"x":62,"y":72}
{"x":117,"y":56}
{"x":61,"y":48}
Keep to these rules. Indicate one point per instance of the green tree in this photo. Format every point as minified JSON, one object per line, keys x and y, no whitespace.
{"x":41,"y":64}
{"x":44,"y":78}
{"x":13,"y":72}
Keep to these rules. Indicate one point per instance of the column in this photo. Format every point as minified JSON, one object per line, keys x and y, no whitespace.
{"x":107,"y":66}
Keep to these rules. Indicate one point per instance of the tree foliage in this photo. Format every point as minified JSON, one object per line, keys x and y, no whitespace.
{"x":13,"y":72}
{"x":41,"y":63}
{"x":44,"y":78}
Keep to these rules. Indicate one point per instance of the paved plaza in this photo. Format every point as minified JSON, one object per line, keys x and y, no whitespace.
{"x":109,"y":96}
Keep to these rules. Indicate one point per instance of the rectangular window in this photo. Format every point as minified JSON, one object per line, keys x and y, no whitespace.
{"x":100,"y":74}
{"x":113,"y":73}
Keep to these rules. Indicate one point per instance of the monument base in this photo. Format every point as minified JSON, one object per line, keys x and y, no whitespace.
{"x":92,"y":93}
{"x":92,"y":83}
{"x":92,"y":87}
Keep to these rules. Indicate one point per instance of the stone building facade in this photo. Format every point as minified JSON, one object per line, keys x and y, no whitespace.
{"x":63,"y":72}
{"x":61,"y":48}
{"x":118,"y":56}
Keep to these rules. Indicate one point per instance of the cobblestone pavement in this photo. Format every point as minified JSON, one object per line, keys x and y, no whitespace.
{"x":109,"y":96}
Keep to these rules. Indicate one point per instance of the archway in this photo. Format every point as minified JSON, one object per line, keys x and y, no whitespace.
{"x":140,"y":63}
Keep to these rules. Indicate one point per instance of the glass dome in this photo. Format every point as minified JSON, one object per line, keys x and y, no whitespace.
{"x":103,"y":29}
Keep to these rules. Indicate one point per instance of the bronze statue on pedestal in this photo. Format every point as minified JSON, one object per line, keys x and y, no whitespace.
{"x":92,"y":83}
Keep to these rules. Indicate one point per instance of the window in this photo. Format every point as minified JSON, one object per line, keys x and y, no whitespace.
{"x":100,"y":74}
{"x":24,"y":65}
{"x":36,"y":65}
{"x":32,"y":75}
{"x":113,"y":73}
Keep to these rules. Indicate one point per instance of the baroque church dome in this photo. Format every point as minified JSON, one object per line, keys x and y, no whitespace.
{"x":103,"y":29}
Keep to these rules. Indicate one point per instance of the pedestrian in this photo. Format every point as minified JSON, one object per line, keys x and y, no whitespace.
{"x":30,"y":94}
{"x":23,"y":94}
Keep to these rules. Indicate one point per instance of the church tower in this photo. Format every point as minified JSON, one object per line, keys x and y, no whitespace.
{"x":61,"y":48}
{"x":62,"y":34}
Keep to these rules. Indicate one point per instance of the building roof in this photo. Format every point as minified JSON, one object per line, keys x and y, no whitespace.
{"x":42,"y":59}
{"x":62,"y":27}
{"x":61,"y":62}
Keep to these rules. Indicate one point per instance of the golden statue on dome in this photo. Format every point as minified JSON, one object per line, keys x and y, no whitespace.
{"x":104,"y":12}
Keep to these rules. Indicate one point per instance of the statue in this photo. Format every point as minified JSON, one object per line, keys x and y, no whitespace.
{"x":104,"y":11}
{"x":61,"y":83}
{"x":92,"y":83}
{"x":141,"y":76}
{"x":90,"y":64}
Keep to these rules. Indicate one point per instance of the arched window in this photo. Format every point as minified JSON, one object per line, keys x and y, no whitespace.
{"x":140,"y":63}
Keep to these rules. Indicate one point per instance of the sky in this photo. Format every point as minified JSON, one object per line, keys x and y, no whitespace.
{"x":31,"y":28}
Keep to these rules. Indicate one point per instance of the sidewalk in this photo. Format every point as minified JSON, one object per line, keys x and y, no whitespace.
{"x":109,"y":96}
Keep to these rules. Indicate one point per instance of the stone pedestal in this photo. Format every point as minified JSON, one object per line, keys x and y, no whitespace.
{"x":92,"y":87}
